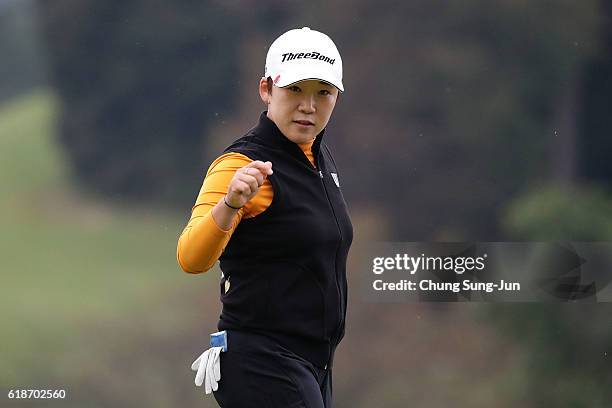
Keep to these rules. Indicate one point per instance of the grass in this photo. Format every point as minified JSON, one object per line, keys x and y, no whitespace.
{"x":67,"y":258}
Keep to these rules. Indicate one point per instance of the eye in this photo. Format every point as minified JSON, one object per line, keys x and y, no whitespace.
{"x":324,"y":92}
{"x":294,"y":88}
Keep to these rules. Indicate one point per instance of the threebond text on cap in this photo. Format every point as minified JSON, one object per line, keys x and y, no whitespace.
{"x":302,"y":54}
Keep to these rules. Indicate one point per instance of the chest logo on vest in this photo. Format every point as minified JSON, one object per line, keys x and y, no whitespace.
{"x":335,"y":177}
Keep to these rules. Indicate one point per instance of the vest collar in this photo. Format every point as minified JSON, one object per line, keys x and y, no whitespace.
{"x":267,"y":130}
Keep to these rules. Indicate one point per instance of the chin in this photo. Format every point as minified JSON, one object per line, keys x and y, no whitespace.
{"x":300,"y":138}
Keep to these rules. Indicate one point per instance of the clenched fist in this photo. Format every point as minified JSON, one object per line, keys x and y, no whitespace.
{"x":246,"y":182}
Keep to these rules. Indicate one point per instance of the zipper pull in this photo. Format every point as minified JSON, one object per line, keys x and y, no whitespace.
{"x":320,"y":174}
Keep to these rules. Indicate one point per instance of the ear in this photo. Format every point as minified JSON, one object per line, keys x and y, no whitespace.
{"x":264,"y":94}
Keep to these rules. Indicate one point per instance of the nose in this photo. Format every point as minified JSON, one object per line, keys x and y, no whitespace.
{"x":307,"y":104}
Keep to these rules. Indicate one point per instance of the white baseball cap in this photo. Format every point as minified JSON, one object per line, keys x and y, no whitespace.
{"x":301,"y":54}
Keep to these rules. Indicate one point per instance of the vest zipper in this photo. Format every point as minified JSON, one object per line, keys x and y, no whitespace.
{"x":337,"y":331}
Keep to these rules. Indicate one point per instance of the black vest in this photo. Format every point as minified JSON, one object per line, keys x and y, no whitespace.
{"x":287,"y":266}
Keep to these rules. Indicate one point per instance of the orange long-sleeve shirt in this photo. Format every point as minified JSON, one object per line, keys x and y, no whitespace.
{"x":202,"y":240}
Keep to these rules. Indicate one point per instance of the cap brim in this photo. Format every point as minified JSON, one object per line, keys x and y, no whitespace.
{"x":287,"y":79}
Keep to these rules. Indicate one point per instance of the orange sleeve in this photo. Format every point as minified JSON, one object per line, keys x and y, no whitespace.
{"x":202,"y":241}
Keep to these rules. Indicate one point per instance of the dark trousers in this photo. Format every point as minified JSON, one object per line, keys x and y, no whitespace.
{"x":257,"y":372}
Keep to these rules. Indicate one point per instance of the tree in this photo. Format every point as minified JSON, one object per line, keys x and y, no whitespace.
{"x":139,"y":82}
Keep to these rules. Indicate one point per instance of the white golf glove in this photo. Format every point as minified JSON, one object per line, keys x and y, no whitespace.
{"x":208,"y":369}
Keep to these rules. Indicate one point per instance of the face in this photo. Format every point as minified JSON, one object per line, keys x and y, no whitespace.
{"x":301,"y":110}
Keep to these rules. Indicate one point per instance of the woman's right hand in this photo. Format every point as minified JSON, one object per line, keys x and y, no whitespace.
{"x":246,"y":182}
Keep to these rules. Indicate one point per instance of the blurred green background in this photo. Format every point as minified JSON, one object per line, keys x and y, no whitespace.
{"x":468,"y":121}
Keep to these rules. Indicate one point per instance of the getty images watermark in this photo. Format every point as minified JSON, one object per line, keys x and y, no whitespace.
{"x":488,"y":271}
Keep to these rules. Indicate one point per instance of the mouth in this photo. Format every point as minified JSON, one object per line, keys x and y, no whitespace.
{"x":304,"y":122}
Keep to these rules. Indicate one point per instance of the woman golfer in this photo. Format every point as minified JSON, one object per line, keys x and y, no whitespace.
{"x":272,"y":212}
